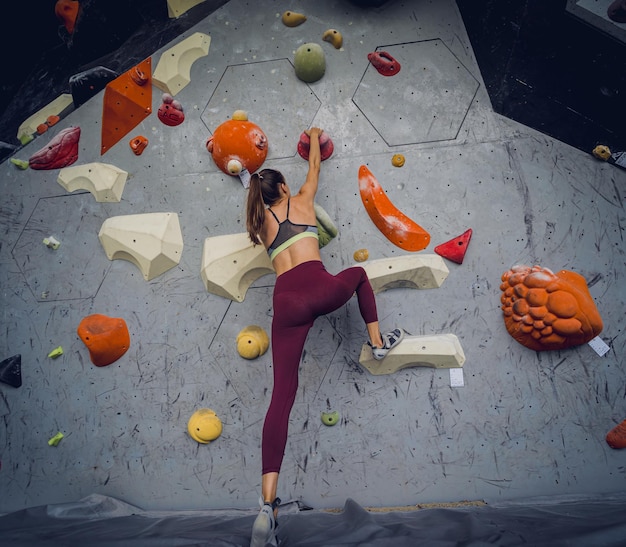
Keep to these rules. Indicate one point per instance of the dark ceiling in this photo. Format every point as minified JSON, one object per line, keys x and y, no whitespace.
{"x":542,"y":66}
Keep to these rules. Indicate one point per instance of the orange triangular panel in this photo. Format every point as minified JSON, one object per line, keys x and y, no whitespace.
{"x":127,"y":102}
{"x":455,"y":248}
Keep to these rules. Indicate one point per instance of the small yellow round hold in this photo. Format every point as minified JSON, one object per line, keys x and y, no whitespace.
{"x":293,"y":19}
{"x":361,"y":255}
{"x":333,"y":37}
{"x":204,"y":426}
{"x":602,"y":152}
{"x":240,"y":115}
{"x":252,"y":342}
{"x":397,"y":160}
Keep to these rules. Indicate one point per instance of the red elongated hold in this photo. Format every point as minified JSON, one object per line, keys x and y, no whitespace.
{"x":394,"y":224}
{"x":61,"y":151}
{"x":456,"y":248}
{"x":384,"y":63}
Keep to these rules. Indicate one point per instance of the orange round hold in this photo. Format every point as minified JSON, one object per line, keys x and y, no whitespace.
{"x":238,"y":141}
{"x":106,"y":338}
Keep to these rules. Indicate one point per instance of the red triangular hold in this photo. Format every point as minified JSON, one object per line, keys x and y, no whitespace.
{"x":455,"y":248}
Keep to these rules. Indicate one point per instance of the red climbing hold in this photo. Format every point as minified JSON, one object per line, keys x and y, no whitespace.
{"x":61,"y":151}
{"x":326,"y":146}
{"x":455,"y":248}
{"x":384,"y":63}
{"x":171,"y":111}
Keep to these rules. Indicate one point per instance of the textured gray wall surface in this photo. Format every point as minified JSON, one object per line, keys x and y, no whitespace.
{"x":524,"y":424}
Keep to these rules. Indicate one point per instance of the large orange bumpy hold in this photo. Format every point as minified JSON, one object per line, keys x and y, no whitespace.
{"x":547,"y":311}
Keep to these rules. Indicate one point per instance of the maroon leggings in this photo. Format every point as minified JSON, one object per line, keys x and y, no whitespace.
{"x":300,"y":296}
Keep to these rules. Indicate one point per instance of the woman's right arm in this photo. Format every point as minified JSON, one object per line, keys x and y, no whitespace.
{"x":309,"y":188}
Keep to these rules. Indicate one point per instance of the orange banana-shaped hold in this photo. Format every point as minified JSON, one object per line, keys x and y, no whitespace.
{"x":394,"y":224}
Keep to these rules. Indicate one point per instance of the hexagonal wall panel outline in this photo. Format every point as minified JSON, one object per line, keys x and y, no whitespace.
{"x":77,"y":268}
{"x":275,"y":94}
{"x":426,"y":101}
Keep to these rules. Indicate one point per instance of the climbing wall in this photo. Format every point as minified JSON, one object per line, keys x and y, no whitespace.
{"x":514,"y":422}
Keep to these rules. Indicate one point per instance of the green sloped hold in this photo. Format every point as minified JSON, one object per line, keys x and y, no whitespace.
{"x":326,"y":228}
{"x":11,"y":371}
{"x":310,"y":62}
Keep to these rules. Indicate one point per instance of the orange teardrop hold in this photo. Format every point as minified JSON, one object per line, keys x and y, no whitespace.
{"x":106,"y":338}
{"x":67,"y":13}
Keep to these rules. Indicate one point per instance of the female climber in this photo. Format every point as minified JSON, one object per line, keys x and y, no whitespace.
{"x":285,"y":224}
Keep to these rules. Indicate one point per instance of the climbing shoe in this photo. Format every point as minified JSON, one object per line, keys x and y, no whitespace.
{"x":390,"y":340}
{"x":264,"y":528}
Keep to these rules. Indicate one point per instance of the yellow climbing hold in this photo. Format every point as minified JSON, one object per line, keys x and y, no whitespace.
{"x":602,"y":152}
{"x":361,"y":255}
{"x":204,"y":426}
{"x":334,"y":37}
{"x":293,"y":19}
{"x":252,"y":342}
{"x":240,"y":115}
{"x":397,"y":160}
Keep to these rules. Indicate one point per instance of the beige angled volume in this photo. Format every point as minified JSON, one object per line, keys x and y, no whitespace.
{"x":231,"y":263}
{"x":175,"y":8}
{"x":173,"y":71}
{"x":418,"y":271}
{"x":106,"y":182}
{"x":29,"y":125}
{"x":151,"y":241}
{"x":436,"y":351}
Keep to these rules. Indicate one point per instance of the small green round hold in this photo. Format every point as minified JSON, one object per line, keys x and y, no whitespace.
{"x":330,"y":418}
{"x":310,"y":62}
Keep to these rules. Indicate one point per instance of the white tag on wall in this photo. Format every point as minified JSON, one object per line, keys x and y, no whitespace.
{"x":244,"y":177}
{"x":599,"y":346}
{"x":456,"y":377}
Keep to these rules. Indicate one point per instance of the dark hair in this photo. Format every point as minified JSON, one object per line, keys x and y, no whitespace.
{"x":263,"y":190}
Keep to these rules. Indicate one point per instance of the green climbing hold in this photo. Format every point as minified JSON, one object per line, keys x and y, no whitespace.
{"x":310,"y":62}
{"x":326,"y":228}
{"x":22,"y":164}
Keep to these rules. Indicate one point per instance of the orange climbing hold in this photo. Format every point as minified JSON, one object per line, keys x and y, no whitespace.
{"x":616,"y":438}
{"x":395,"y":225}
{"x":67,"y":13}
{"x":106,"y":338}
{"x":138,"y":144}
{"x":237,"y":145}
{"x":127,"y":102}
{"x":546,"y":311}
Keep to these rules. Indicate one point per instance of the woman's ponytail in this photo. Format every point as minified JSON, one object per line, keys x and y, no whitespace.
{"x":255,"y":209}
{"x":264,"y":189}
